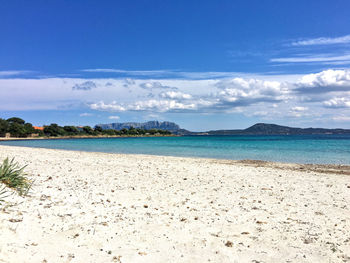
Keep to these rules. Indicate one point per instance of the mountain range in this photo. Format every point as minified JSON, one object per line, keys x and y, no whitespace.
{"x":165,"y":125}
{"x":256,"y":129}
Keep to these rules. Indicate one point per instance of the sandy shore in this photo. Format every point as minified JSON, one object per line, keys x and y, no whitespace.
{"x":96,"y":207}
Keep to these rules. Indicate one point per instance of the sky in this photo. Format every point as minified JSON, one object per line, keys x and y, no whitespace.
{"x":203,"y":64}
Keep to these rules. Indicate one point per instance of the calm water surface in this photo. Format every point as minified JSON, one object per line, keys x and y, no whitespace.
{"x":322,"y":149}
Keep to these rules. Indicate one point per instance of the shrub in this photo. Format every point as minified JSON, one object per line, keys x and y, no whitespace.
{"x":12,"y":175}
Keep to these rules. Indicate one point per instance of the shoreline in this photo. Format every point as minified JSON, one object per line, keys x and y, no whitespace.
{"x":311,"y":167}
{"x":103,"y":207}
{"x":81,"y":137}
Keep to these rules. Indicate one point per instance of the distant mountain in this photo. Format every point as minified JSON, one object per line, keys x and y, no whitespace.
{"x":165,"y":125}
{"x":273,"y":129}
{"x":256,"y":129}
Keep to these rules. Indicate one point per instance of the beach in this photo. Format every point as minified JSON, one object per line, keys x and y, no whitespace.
{"x":99,"y":207}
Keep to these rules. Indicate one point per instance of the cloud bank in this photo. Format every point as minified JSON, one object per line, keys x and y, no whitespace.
{"x":308,"y":96}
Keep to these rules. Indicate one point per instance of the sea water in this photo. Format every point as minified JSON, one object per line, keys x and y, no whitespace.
{"x":318,"y":149}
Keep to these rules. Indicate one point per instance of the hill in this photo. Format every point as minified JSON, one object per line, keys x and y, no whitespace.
{"x":256,"y":129}
{"x":273,"y":129}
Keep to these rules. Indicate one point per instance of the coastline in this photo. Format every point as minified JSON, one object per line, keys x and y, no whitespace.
{"x":331,"y":168}
{"x":80,"y":137}
{"x":103,"y":207}
{"x":309,"y":167}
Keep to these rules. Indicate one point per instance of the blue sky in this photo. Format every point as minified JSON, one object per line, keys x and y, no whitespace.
{"x":203,"y":64}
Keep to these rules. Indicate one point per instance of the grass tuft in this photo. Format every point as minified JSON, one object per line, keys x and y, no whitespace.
{"x":12,"y":175}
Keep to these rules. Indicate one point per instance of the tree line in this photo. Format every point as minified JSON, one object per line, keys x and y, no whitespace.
{"x":19,"y":128}
{"x":16,"y":127}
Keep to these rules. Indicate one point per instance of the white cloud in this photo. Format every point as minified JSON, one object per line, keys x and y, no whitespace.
{"x":161,"y":105}
{"x":336,"y":63}
{"x":299,"y":109}
{"x":322,"y":41}
{"x":111,"y":107}
{"x":168,"y":73}
{"x":129,"y":72}
{"x":243,"y":92}
{"x":114,"y":117}
{"x":325,"y":81}
{"x":337,"y":103}
{"x":175,"y":95}
{"x":154,"y":85}
{"x":146,"y":105}
{"x":271,"y":96}
{"x":230,"y":95}
{"x":85,"y":114}
{"x":320,"y":56}
{"x":8,"y":73}
{"x":315,"y":58}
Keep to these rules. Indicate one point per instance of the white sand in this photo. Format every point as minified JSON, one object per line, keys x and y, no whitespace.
{"x":95,"y":207}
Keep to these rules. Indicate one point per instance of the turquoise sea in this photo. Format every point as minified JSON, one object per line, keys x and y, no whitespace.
{"x":319,"y":149}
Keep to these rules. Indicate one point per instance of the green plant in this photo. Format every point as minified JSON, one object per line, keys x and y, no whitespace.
{"x":12,"y":175}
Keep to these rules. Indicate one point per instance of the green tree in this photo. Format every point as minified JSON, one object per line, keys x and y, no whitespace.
{"x":17,"y":130}
{"x":88,"y":130}
{"x":132,"y":131}
{"x":109,"y":132}
{"x":16,"y":120}
{"x":54,"y":130}
{"x":124,"y":131}
{"x":29,"y":129}
{"x":164,"y":132}
{"x":152,"y":131}
{"x":40,"y":132}
{"x":141,"y":131}
{"x":98,"y":129}
{"x":4,"y":127}
{"x":71,"y":130}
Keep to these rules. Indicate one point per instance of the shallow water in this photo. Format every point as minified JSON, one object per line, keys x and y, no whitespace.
{"x":319,"y":149}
